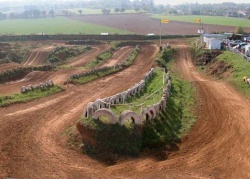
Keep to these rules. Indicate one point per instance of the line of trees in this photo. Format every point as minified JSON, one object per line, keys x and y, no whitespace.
{"x":28,"y":14}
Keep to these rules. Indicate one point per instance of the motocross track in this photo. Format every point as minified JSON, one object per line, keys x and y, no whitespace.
{"x":32,"y":143}
{"x":119,"y":56}
{"x":60,"y":76}
{"x":88,"y":56}
{"x":8,"y":66}
{"x":38,"y":56}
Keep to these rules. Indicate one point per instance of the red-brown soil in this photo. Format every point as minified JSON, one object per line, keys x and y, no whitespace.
{"x":32,"y":143}
{"x":60,"y":76}
{"x":8,"y":66}
{"x":144,"y":24}
{"x":118,"y":56}
{"x":38,"y":56}
{"x":88,"y":56}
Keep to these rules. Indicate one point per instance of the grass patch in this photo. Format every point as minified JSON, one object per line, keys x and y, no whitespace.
{"x":241,"y":69}
{"x":216,"y":20}
{"x":101,"y":58}
{"x":57,"y":25}
{"x":31,"y":95}
{"x":154,"y":85}
{"x":93,"y":76}
{"x":62,"y":54}
{"x":178,"y":117}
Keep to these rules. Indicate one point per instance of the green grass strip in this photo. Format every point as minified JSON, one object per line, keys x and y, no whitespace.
{"x":215,"y":20}
{"x":99,"y":59}
{"x":31,"y":95}
{"x":154,"y":84}
{"x":178,"y":118}
{"x":86,"y":79}
{"x":241,"y":68}
{"x":50,"y":26}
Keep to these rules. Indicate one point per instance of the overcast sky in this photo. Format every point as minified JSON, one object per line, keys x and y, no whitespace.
{"x":174,"y":2}
{"x":171,"y":2}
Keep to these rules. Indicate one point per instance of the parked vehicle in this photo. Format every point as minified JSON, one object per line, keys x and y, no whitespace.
{"x":235,"y":42}
{"x":246,"y":39}
{"x":247,"y":50}
{"x":240,"y":46}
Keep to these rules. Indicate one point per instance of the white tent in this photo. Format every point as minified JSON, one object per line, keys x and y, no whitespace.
{"x":213,"y":44}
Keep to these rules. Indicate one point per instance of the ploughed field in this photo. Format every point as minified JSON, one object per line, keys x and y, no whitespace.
{"x":32,"y":143}
{"x":145,"y":24}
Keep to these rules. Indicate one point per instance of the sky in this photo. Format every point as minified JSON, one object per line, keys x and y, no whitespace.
{"x":175,"y":2}
{"x":171,"y":2}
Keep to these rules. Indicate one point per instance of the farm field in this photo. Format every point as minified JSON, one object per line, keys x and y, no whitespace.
{"x":57,"y":25}
{"x":32,"y":143}
{"x":120,"y":24}
{"x":139,"y":24}
{"x":215,"y":20}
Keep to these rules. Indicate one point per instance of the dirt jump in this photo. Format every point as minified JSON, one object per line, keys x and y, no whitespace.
{"x":38,"y":56}
{"x":33,"y":142}
{"x":88,"y":56}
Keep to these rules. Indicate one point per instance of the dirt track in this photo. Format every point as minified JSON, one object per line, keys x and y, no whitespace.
{"x":88,"y":56}
{"x":60,"y":76}
{"x":38,"y":56}
{"x":32,"y":144}
{"x":119,"y":56}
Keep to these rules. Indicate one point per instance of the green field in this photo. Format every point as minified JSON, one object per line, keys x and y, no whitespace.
{"x":57,"y":25}
{"x":86,"y":11}
{"x":217,"y":20}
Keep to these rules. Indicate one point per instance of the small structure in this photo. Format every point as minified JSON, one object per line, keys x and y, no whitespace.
{"x":213,"y":44}
{"x":213,"y":36}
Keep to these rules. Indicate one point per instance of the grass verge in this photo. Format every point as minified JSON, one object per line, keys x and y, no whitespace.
{"x":101,"y":58}
{"x":241,"y":69}
{"x":178,"y":117}
{"x":31,"y":95}
{"x":141,"y":100}
{"x":216,"y":20}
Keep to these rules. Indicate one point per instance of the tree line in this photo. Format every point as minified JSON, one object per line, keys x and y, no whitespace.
{"x":35,"y":13}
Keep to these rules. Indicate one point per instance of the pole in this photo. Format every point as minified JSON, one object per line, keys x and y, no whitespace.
{"x":163,"y":80}
{"x":160,"y":32}
{"x":201,"y":29}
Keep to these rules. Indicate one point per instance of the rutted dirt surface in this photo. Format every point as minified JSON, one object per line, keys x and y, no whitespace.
{"x":119,"y":56}
{"x":8,"y":66}
{"x":60,"y":76}
{"x":31,"y":134}
{"x":88,"y":56}
{"x":38,"y":56}
{"x":32,"y":144}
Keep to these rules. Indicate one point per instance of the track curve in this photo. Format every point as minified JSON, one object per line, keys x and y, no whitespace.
{"x":32,"y":144}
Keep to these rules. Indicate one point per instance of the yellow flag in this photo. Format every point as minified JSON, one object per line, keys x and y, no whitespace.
{"x":164,"y":21}
{"x":197,"y":20}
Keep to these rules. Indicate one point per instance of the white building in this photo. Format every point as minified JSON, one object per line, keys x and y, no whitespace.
{"x":213,"y":44}
{"x":212,"y":41}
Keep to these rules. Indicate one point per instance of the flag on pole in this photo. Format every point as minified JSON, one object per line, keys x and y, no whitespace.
{"x":164,"y":21}
{"x":197,"y":20}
